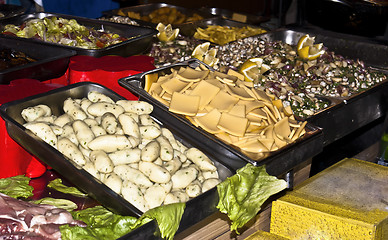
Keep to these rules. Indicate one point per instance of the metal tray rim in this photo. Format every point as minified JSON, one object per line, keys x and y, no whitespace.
{"x":68,"y":53}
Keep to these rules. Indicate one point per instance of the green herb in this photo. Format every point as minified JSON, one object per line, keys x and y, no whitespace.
{"x":241,"y":195}
{"x":16,"y":187}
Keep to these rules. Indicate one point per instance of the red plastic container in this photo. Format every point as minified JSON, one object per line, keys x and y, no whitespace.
{"x":14,"y":160}
{"x":107,"y":70}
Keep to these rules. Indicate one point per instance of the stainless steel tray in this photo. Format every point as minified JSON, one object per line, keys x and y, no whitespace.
{"x":196,"y":209}
{"x":277,"y":163}
{"x":51,"y":61}
{"x":348,"y":113}
{"x":140,"y":38}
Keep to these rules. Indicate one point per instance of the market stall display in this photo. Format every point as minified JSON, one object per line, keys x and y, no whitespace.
{"x":278,"y":98}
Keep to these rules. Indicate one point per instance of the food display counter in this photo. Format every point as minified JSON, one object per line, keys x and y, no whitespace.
{"x":286,"y":95}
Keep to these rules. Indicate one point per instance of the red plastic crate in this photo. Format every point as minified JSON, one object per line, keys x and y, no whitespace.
{"x":14,"y":160}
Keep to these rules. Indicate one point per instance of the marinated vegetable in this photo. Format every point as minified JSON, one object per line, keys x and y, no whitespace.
{"x":10,"y":58}
{"x":64,"y":31}
{"x":171,"y":52}
{"x":165,"y":15}
{"x":306,"y":85}
{"x":300,"y":82}
{"x":223,"y":34}
{"x":120,"y":19}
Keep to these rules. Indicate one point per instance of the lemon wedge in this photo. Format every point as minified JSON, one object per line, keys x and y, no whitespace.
{"x":201,"y":49}
{"x":166,"y":33}
{"x":307,"y":49}
{"x":253,"y":68}
{"x":204,"y":53}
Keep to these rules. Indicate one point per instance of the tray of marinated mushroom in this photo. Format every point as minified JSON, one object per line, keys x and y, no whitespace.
{"x":343,"y":85}
{"x":128,"y":155}
{"x":240,"y":122}
{"x":331,"y":85}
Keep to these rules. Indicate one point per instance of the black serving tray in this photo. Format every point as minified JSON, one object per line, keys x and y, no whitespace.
{"x":348,"y":113}
{"x":140,"y":38}
{"x":51,"y":61}
{"x":196,"y":209}
{"x":277,"y":163}
{"x":10,"y":10}
{"x":217,"y":21}
{"x":235,"y":16}
{"x":145,"y":9}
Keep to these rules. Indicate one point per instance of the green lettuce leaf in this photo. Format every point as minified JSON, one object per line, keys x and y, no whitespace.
{"x":59,"y":203}
{"x":242,"y":195}
{"x":16,"y":187}
{"x":102,"y":224}
{"x":168,"y":218}
{"x":60,"y":187}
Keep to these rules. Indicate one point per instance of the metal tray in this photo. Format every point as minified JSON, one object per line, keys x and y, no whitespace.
{"x":196,"y":209}
{"x":145,"y":9}
{"x":349,"y":113}
{"x":218,"y":21}
{"x":10,"y":10}
{"x":277,"y":163}
{"x":235,"y":16}
{"x":140,"y":38}
{"x":51,"y":61}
